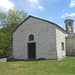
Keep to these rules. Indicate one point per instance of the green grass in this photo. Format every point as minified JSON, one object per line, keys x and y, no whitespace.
{"x":43,"y":67}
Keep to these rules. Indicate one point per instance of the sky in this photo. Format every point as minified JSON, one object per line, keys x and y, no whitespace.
{"x":55,"y":11}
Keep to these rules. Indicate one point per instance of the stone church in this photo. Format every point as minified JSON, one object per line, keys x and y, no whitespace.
{"x":37,"y":38}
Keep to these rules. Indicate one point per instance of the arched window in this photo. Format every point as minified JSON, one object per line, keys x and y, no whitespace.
{"x":31,"y":37}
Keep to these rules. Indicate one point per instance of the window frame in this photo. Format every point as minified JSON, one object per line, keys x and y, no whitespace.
{"x":31,"y":37}
{"x":62,"y":45}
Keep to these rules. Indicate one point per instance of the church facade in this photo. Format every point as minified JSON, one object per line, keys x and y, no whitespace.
{"x":37,"y":38}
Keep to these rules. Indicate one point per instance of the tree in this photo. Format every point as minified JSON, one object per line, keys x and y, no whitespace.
{"x":12,"y":17}
{"x":5,"y":44}
{"x":9,"y":21}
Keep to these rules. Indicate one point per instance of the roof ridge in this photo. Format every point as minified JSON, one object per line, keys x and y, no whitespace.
{"x":39,"y":19}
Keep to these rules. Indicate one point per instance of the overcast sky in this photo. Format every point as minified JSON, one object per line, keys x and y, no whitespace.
{"x":52,"y":10}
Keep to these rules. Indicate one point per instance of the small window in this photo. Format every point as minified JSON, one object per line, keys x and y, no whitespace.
{"x":31,"y":37}
{"x":69,"y":23}
{"x":62,"y":44}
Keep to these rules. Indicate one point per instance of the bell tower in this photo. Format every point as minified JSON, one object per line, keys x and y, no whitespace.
{"x":69,"y":25}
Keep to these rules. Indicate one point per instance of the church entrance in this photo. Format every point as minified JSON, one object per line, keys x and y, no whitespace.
{"x":31,"y":50}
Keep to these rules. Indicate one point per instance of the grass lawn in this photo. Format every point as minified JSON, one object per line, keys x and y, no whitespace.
{"x":41,"y":67}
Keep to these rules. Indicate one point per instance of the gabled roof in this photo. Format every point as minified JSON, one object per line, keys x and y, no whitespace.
{"x":40,"y":19}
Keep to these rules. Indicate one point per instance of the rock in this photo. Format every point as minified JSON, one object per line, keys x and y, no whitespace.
{"x":3,"y":60}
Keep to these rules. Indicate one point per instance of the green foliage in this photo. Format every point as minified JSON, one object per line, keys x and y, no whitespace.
{"x":5,"y":44}
{"x":12,"y":17}
{"x":44,"y":67}
{"x":9,"y":20}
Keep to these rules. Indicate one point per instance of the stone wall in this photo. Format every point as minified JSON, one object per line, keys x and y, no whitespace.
{"x":70,"y":46}
{"x":60,"y":38}
{"x":44,"y":37}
